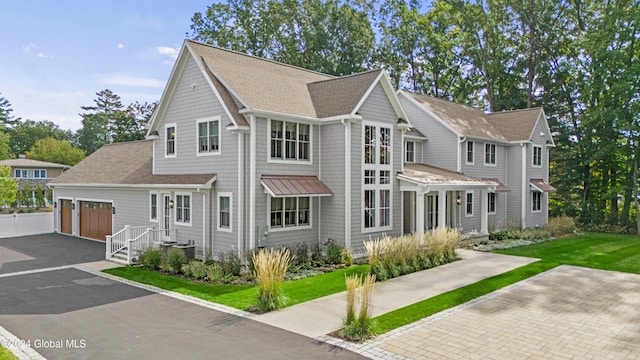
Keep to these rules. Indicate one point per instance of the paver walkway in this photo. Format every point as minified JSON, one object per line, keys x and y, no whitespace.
{"x":565,"y":313}
{"x":322,"y":316}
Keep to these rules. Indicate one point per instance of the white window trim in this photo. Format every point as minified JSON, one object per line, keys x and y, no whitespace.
{"x":533,"y":202}
{"x":466,"y":201}
{"x":175,"y":141}
{"x":208,"y":120}
{"x":290,"y":228}
{"x":533,"y":156}
{"x":376,"y":186}
{"x":413,"y":151}
{"x":285,"y":161}
{"x":230,"y":196}
{"x":473,"y":153}
{"x":151,"y":219}
{"x":485,"y":154}
{"x":495,"y":203}
{"x":175,"y":209}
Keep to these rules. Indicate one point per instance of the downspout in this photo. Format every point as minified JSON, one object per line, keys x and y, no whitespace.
{"x":347,"y":182}
{"x":240,"y":207}
{"x":319,"y":142}
{"x":459,"y":164}
{"x":252,"y":182}
{"x":523,"y":184}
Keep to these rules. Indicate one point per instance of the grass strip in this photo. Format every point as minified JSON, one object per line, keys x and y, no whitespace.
{"x":428,"y":307}
{"x":5,"y":354}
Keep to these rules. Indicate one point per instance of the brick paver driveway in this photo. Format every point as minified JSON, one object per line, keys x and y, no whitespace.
{"x":566,"y":313}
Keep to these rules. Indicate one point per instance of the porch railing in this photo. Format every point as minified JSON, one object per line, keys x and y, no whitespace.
{"x":149,"y":239}
{"x":118,"y":241}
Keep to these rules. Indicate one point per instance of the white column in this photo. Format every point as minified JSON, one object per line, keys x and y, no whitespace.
{"x":419,"y":213}
{"x":442,"y":209}
{"x":484,"y":212}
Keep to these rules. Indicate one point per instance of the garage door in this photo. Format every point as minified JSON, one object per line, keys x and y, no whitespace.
{"x":95,"y":219}
{"x":66,"y":214}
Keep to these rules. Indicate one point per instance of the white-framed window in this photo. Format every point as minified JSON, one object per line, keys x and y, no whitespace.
{"x":491,"y":203}
{"x":536,"y":201}
{"x":30,"y":174}
{"x":489,"y":154}
{"x":183,"y":209}
{"x":289,"y":212}
{"x":469,"y":203}
{"x":376,"y":177}
{"x":170,"y":140}
{"x":289,"y":141}
{"x":224,"y":211}
{"x":209,"y":136}
{"x":470,"y":152}
{"x":153,"y":206}
{"x":537,"y":156}
{"x":410,"y":149}
{"x":16,"y":174}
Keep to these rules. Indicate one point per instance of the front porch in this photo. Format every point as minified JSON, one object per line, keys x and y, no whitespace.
{"x":126,"y":245}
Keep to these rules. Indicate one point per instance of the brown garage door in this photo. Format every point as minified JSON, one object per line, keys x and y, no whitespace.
{"x":95,"y":219}
{"x":66,"y":215}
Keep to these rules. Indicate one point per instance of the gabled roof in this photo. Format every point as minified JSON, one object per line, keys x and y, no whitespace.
{"x":29,"y":163}
{"x":506,"y":126}
{"x":340,"y":96}
{"x":126,"y":163}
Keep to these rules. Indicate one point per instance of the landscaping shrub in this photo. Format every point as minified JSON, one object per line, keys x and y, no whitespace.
{"x":560,"y":225}
{"x":334,"y":254}
{"x":151,"y":259}
{"x":358,"y":325}
{"x":346,"y":256}
{"x":316,"y":254}
{"x":213,"y":272}
{"x":175,"y":259}
{"x":301,"y":255}
{"x":195,"y":269}
{"x":271,"y":266}
{"x":230,"y":263}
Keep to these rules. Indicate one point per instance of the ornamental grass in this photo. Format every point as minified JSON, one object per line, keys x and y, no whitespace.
{"x":358,"y":325}
{"x":270,"y":267}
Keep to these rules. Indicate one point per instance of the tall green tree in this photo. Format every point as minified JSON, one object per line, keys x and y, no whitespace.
{"x":7,"y":120}
{"x":56,"y":151}
{"x":8,"y":186}
{"x":96,"y":121}
{"x":5,"y":149}
{"x":132,"y":124}
{"x":27,"y":132}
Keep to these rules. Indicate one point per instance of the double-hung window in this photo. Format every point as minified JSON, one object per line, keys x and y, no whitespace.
{"x":410,"y":149}
{"x":377,"y":168}
{"x":290,"y":141}
{"x":224,"y":212}
{"x":153,"y":204}
{"x":183,"y":209}
{"x":470,"y":152}
{"x":289,"y":212}
{"x":209,"y":135}
{"x":170,"y":141}
{"x":469,"y":203}
{"x":489,"y":154}
{"x":491,"y":203}
{"x":536,"y":201}
{"x":537,"y":156}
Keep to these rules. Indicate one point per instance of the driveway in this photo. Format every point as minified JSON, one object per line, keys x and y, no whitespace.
{"x":67,"y":313}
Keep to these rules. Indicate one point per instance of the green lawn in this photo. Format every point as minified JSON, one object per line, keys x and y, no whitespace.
{"x":5,"y":354}
{"x":242,"y":296}
{"x":601,"y":251}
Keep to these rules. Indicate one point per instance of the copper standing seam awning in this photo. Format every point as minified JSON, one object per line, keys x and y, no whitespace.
{"x":289,"y":186}
{"x":501,"y":187}
{"x":540,"y":185}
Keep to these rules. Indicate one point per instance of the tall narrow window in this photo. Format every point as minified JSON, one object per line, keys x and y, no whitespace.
{"x":536,"y":200}
{"x":303,"y":142}
{"x":385,"y":208}
{"x":491,"y":203}
{"x":171,"y":140}
{"x":369,"y":145}
{"x":154,"y":206}
{"x":224,"y":221}
{"x":276,"y":212}
{"x":537,"y":156}
{"x":290,"y":136}
{"x":369,"y":208}
{"x":183,"y":209}
{"x":290,"y":211}
{"x":490,"y":154}
{"x":385,"y":146}
{"x":410,"y":152}
{"x":208,"y":135}
{"x":303,"y":211}
{"x":469,"y":203}
{"x":469,"y":152}
{"x":377,"y":158}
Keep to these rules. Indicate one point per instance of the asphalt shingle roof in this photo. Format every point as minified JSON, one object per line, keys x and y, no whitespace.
{"x":29,"y":163}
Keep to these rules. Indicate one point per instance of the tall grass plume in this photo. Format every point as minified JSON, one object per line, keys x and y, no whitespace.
{"x":270,"y":268}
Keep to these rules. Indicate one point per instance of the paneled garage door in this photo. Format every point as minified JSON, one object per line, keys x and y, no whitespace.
{"x":66,"y":216}
{"x":95,"y":219}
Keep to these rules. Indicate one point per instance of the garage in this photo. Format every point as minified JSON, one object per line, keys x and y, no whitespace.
{"x":66,"y":216}
{"x":95,"y":219}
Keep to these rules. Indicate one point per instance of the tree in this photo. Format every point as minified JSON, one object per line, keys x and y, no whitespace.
{"x":56,"y":151}
{"x":5,"y":149}
{"x":133,"y":123}
{"x":6,"y":119}
{"x":25,"y":134}
{"x":8,"y":186}
{"x":96,"y":124}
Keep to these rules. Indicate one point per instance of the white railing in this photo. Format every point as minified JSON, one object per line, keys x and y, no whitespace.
{"x":119,"y":240}
{"x":149,"y":239}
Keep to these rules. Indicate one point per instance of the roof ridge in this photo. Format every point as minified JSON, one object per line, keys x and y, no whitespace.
{"x":260,"y":58}
{"x":348,"y":76}
{"x":515,"y":110}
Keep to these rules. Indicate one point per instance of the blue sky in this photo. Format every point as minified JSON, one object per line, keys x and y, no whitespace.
{"x":55,"y":55}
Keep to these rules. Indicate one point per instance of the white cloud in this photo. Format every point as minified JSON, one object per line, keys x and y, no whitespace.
{"x":28,"y":47}
{"x":120,"y":45}
{"x":43,"y":56}
{"x":132,"y":81}
{"x":166,"y":50}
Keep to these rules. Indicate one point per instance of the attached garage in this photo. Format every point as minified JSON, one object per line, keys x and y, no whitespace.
{"x":66,"y":216}
{"x":95,"y":219}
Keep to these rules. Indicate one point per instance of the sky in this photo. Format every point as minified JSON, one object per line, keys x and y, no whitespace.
{"x":56,"y":55}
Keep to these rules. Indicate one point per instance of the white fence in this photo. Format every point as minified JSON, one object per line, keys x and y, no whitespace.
{"x":26,"y":224}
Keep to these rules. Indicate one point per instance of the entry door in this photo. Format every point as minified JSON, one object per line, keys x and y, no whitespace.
{"x":166,"y":216}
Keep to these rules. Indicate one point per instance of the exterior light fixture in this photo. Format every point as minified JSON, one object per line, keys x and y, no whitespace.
{"x":73,"y":206}
{"x":170,"y":204}
{"x":113,"y":210}
{"x":458,"y":200}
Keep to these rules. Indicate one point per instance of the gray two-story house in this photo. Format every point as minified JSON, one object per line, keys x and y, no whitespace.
{"x":244,"y":152}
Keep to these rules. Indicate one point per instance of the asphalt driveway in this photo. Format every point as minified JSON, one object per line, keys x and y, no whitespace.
{"x":66,"y":313}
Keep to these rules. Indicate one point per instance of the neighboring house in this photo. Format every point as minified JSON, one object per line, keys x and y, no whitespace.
{"x":509,"y":151}
{"x":244,"y":152}
{"x":34,"y":173}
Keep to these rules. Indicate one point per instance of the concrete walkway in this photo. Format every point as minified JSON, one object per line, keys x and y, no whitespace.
{"x":322,"y":316}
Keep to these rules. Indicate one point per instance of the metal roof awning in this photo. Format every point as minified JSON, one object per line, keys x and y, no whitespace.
{"x":501,"y":187}
{"x":540,"y":185}
{"x":290,"y":186}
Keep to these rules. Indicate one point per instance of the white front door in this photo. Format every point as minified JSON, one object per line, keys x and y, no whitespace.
{"x":166,"y":216}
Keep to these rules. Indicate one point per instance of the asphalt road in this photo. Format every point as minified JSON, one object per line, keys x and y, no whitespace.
{"x":66,"y":313}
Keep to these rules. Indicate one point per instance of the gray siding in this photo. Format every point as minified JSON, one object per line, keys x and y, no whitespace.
{"x":537,"y":138}
{"x":332,"y":174}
